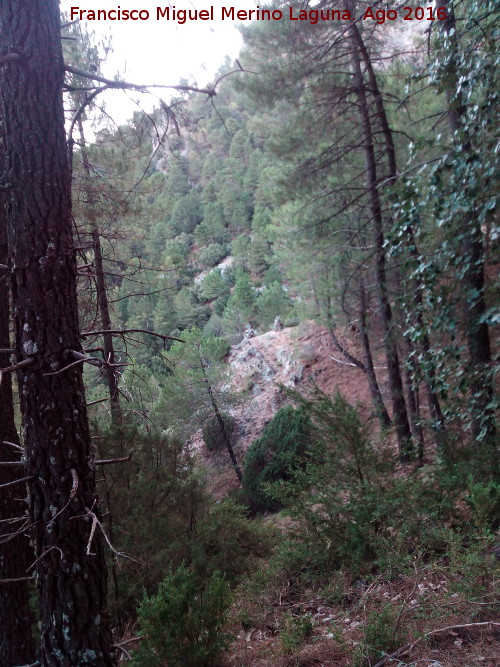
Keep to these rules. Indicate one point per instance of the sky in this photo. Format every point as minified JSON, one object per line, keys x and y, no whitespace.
{"x":160,"y":51}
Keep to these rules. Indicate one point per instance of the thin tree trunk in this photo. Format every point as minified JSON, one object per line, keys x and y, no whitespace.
{"x":377,"y":399}
{"x":221,"y":422}
{"x":413,"y":402}
{"x":400,"y":414}
{"x":70,"y":562}
{"x":101,"y":287}
{"x":16,"y":640}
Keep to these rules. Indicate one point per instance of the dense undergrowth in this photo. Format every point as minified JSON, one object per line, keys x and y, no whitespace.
{"x":404,"y":549}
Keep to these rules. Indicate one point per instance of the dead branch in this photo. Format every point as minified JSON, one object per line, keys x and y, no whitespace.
{"x":71,"y":495}
{"x":121,"y":332}
{"x":18,"y":481}
{"x":99,"y":400}
{"x":94,"y":361}
{"x":13,"y":444}
{"x":405,"y":650}
{"x":15,"y":367}
{"x":95,"y":523}
{"x":134,"y":86}
{"x":61,"y":370}
{"x":120,"y":646}
{"x":43,"y":555}
{"x":15,"y":581}
{"x":105,"y":462}
{"x":14,"y":464}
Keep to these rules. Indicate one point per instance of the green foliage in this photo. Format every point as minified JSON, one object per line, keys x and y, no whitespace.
{"x":213,"y":286}
{"x":280,"y":451}
{"x":484,"y":502}
{"x":380,"y":637}
{"x":194,"y":383}
{"x":239,"y":250}
{"x":183,"y":624}
{"x":185,"y":214}
{"x":273,"y":301}
{"x":295,"y":630}
{"x":212,"y":254}
{"x":241,"y":304}
{"x":212,"y":432}
{"x":226,"y":540}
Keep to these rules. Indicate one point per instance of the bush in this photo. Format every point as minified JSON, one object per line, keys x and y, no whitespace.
{"x":212,"y":432}
{"x":295,"y":630}
{"x":183,"y":623}
{"x":276,"y":455}
{"x":212,"y":254}
{"x":227,"y":541}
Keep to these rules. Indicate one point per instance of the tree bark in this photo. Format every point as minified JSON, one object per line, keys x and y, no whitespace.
{"x":16,"y":640}
{"x":377,"y":399}
{"x":70,"y":565}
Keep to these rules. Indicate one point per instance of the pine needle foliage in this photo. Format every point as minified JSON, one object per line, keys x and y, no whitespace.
{"x":282,"y":448}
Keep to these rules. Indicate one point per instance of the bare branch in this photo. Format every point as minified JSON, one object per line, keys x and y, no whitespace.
{"x":121,"y":332}
{"x":72,"y":494}
{"x":43,"y":555}
{"x":99,"y":400}
{"x":18,"y":481}
{"x":405,"y":650}
{"x":15,"y":367}
{"x":13,"y":444}
{"x":135,"y":86}
{"x":105,"y":462}
{"x":95,"y":523}
{"x":15,"y":581}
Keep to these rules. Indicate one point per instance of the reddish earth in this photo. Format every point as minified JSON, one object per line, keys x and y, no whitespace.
{"x":294,"y":357}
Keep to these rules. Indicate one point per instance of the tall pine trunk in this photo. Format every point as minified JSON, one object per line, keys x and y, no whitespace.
{"x":70,"y":565}
{"x":400,"y":414}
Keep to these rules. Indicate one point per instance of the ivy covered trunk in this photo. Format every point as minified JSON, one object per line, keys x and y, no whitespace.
{"x":470,"y":255}
{"x":70,"y":564}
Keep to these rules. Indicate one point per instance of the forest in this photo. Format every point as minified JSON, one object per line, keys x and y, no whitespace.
{"x":248,"y":347}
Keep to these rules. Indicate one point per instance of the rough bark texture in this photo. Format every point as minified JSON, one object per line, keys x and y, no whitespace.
{"x":71,"y":582}
{"x":16,"y":641}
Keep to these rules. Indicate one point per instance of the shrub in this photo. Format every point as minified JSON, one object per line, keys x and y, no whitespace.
{"x":281,"y":449}
{"x":212,"y":431}
{"x":295,"y":629}
{"x":183,"y":623}
{"x":227,"y":541}
{"x":212,"y":254}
